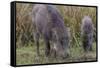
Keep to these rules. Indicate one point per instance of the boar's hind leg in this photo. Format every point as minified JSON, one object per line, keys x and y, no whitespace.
{"x":47,"y":47}
{"x":36,"y":36}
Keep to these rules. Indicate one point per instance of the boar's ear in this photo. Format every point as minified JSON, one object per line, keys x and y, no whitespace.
{"x":68,"y":32}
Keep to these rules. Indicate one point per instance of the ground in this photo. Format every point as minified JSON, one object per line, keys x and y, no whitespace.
{"x":28,"y":55}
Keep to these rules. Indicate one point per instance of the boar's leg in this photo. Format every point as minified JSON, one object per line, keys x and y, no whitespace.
{"x":36,"y":35}
{"x":47,"y":46}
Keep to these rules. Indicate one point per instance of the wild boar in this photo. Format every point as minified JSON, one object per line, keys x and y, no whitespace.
{"x":87,"y":29}
{"x":49,"y":24}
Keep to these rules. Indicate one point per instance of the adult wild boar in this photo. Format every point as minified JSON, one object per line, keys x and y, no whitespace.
{"x":50,"y":25}
{"x":87,"y":29}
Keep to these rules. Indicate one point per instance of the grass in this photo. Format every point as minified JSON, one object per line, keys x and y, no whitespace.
{"x":28,"y":55}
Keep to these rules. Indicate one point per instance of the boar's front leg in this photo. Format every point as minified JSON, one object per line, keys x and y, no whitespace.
{"x":47,"y":46}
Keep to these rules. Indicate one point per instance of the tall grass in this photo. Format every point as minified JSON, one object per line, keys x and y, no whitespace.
{"x":24,"y":26}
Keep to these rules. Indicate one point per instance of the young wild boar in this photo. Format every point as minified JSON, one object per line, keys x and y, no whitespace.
{"x":87,"y":33}
{"x":50,"y":25}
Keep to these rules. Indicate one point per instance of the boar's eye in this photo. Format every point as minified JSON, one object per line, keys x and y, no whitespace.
{"x":64,"y":40}
{"x":61,"y":42}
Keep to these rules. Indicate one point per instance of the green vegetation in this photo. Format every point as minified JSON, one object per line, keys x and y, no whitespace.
{"x":28,"y":55}
{"x":26,"y":48}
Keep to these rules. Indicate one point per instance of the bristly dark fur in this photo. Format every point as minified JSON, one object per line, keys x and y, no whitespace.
{"x":87,"y":33}
{"x":50,"y":24}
